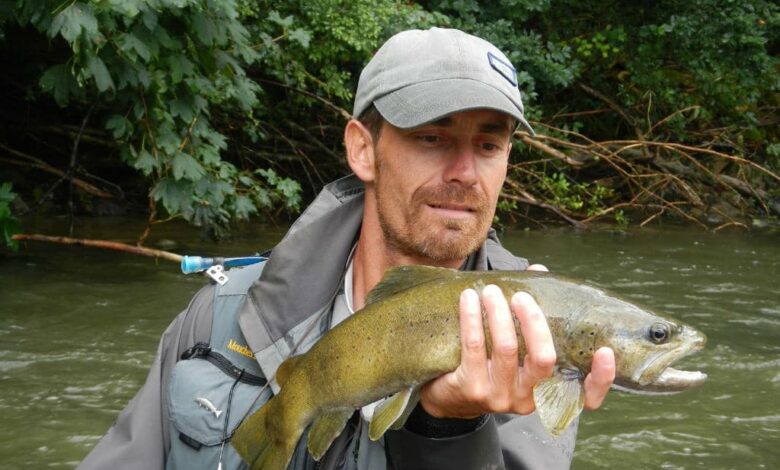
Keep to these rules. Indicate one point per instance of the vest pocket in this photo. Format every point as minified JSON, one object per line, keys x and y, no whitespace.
{"x":200,"y":403}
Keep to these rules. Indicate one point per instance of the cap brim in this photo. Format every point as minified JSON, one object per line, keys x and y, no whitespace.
{"x":421,"y":103}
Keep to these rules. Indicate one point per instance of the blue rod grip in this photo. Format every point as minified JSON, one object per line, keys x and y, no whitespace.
{"x":194,"y":264}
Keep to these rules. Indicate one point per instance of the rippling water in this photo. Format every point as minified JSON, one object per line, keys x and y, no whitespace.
{"x":79,"y":327}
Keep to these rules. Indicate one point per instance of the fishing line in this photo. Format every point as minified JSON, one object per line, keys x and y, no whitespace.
{"x":225,"y":437}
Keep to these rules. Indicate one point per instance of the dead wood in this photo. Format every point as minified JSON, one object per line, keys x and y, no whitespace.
{"x":105,"y":244}
{"x":649,"y":178}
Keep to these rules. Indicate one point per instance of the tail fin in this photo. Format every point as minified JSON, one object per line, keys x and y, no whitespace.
{"x":261,"y":443}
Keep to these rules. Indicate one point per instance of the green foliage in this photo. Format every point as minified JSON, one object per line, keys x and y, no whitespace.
{"x":621,"y":219}
{"x":223,"y":106}
{"x":773,"y":154}
{"x":168,"y":70}
{"x":604,"y":44}
{"x":585,"y":198}
{"x":651,"y":58}
{"x":9,"y":225}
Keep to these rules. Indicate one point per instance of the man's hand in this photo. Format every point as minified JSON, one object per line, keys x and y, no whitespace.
{"x":499,"y":384}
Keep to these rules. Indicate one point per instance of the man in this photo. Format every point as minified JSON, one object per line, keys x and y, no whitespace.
{"x":436,"y":110}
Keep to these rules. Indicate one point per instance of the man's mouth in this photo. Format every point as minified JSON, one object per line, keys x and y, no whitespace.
{"x":452,"y":210}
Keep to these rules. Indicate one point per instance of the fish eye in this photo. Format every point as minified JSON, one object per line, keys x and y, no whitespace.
{"x":659,"y":333}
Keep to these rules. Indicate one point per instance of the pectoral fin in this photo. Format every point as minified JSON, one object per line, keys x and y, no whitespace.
{"x":392,"y":413}
{"x":410,"y":405}
{"x":325,"y":429}
{"x":559,"y":400}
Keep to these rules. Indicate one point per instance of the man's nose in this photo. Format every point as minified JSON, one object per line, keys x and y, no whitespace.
{"x":462,"y":165}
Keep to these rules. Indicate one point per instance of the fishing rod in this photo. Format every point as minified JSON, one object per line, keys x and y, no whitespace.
{"x":215,"y":267}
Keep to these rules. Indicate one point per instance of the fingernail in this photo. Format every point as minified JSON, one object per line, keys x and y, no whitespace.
{"x":468,"y":294}
{"x":522,"y":297}
{"x":494,"y":290}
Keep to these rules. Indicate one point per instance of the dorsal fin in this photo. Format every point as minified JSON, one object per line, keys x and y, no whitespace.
{"x":400,"y":278}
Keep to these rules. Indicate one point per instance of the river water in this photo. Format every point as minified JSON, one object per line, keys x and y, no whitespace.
{"x":79,"y":327}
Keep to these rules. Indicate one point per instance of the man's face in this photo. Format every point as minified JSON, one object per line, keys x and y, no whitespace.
{"x":437,"y":185}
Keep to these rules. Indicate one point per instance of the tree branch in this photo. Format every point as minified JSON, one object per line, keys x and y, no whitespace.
{"x":138,"y":250}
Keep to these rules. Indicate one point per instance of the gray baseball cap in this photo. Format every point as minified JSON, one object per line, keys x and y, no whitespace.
{"x":420,"y":76}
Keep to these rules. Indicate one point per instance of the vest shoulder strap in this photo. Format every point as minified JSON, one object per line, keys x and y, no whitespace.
{"x":216,"y":334}
{"x":229,"y":299}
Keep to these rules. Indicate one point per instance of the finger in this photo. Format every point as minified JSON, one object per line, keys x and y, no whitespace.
{"x":600,"y":378}
{"x":503,"y":337}
{"x":473,"y":357}
{"x":540,"y":350}
{"x":538,"y":267}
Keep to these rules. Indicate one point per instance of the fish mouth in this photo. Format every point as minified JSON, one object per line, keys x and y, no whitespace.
{"x":656,"y":376}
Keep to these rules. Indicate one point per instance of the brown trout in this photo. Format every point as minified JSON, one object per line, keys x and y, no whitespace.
{"x":409,"y":333}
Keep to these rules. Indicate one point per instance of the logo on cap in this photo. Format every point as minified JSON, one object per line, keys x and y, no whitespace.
{"x":504,"y":68}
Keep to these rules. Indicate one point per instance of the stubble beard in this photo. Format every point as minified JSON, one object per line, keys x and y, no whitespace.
{"x":407,"y":230}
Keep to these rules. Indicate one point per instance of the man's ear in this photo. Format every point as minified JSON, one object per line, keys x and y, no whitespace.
{"x":360,"y":150}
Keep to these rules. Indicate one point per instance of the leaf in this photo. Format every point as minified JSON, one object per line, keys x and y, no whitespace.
{"x":167,"y":139}
{"x":291,"y":191}
{"x":129,"y":8}
{"x":6,"y":194}
{"x":180,"y":67}
{"x":184,"y":166}
{"x":132,"y":46}
{"x":145,"y":162}
{"x":301,"y":36}
{"x":100,"y":73}
{"x":176,"y":196}
{"x":10,"y":227}
{"x":71,"y":21}
{"x":208,"y":154}
{"x":118,"y":125}
{"x":205,"y":30}
{"x":161,"y":36}
{"x":60,"y":83}
{"x":275,"y":17}
{"x":181,"y":107}
{"x":262,"y":197}
{"x":149,"y":19}
{"x":144,"y":78}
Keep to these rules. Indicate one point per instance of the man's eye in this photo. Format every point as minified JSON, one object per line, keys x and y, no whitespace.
{"x":430,"y":139}
{"x":490,"y":147}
